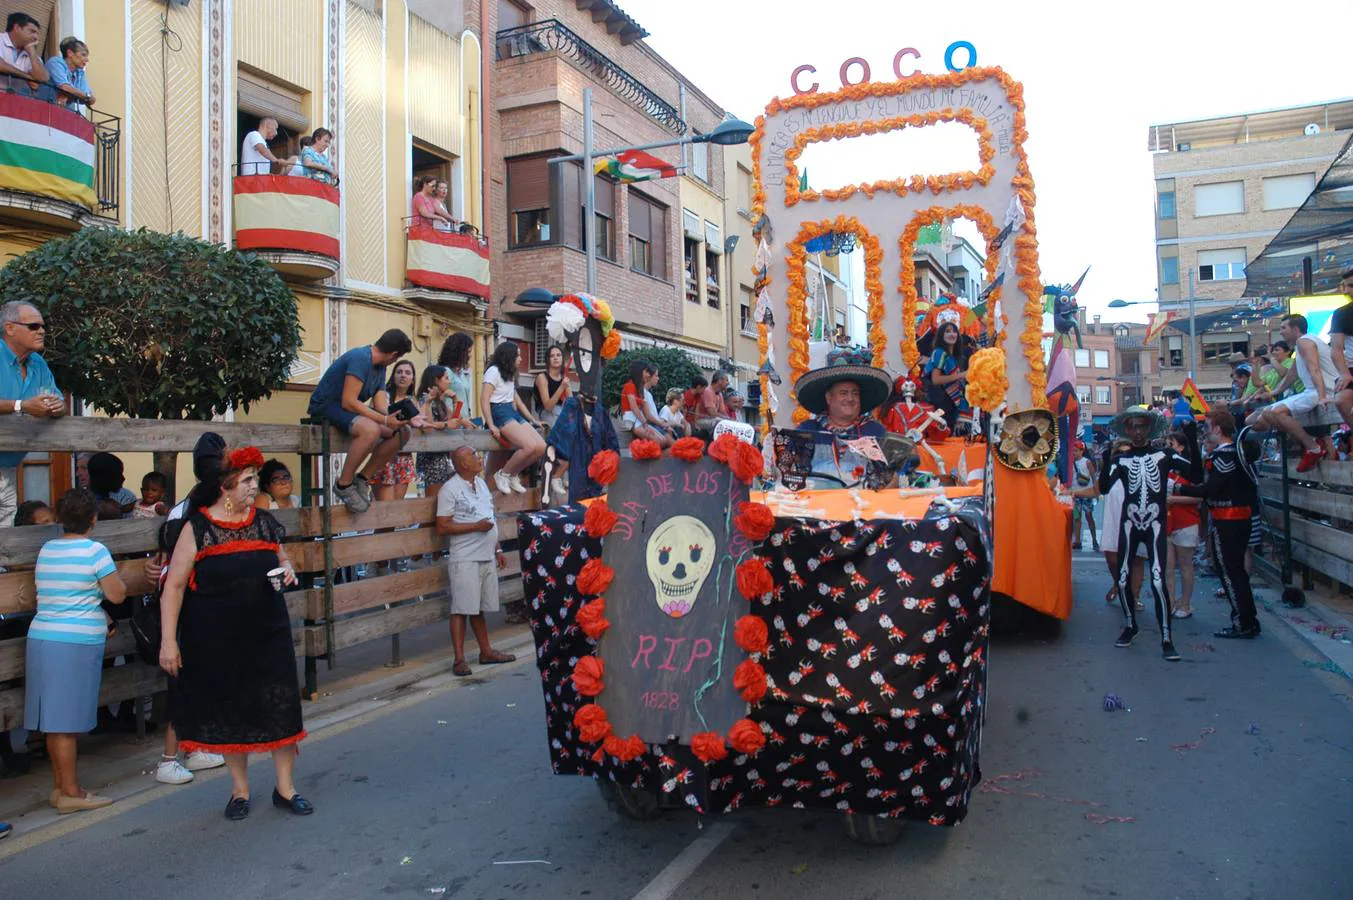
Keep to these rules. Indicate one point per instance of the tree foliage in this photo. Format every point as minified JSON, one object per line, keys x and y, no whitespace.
{"x":158,"y":326}
{"x":675,"y":370}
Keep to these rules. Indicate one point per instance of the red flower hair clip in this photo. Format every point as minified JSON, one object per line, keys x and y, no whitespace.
{"x":242,"y":458}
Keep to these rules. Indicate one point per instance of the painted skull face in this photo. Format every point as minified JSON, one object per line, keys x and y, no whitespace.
{"x":680,"y":555}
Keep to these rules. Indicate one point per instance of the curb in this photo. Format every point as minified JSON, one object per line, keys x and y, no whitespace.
{"x":1323,"y":629}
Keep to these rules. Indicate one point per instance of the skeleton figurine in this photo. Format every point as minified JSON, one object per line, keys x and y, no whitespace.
{"x":1144,"y":473}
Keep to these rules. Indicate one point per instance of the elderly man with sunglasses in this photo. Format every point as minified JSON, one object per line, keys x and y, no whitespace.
{"x":27,"y":387}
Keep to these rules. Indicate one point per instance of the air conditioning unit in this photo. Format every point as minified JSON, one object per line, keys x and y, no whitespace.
{"x":1312,"y":129}
{"x":1184,"y":148}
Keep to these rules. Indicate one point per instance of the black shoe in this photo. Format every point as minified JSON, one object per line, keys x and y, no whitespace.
{"x":1168,"y":652}
{"x":237,"y":809}
{"x":1125,"y":639}
{"x":1238,"y":634}
{"x":297,"y":805}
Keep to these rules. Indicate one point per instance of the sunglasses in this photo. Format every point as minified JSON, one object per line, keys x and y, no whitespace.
{"x":33,"y":326}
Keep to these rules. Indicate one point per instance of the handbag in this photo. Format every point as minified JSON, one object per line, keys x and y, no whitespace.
{"x":145,"y":628}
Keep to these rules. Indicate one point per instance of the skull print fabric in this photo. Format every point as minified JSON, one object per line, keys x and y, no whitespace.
{"x":876,"y":669}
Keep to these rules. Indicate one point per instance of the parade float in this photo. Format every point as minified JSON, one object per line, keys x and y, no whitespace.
{"x":715,"y":631}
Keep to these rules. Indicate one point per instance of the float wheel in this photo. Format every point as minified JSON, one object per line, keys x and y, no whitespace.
{"x":630,"y":802}
{"x":872,"y":831}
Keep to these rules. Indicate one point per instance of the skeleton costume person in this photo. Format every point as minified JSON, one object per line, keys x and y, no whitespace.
{"x":1144,"y":472}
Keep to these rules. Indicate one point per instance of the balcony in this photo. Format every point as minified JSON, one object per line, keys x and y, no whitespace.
{"x":58,"y":167}
{"x":291,"y":221}
{"x":446,"y":267}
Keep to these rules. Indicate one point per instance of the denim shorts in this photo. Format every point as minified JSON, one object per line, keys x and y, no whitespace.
{"x":505,"y":414}
{"x":337,"y":416}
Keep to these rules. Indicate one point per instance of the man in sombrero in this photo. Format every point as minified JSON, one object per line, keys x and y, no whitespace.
{"x":841,"y":395}
{"x":1144,"y":472}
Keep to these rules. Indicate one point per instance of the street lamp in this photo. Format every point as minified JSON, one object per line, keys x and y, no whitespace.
{"x":1193,"y":322}
{"x":727,"y":133}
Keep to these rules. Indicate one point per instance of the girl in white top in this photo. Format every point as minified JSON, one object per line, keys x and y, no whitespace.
{"x":509,"y":420}
{"x":672,"y":416}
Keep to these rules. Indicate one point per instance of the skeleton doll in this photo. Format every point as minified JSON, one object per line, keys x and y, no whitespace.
{"x":1144,"y":472}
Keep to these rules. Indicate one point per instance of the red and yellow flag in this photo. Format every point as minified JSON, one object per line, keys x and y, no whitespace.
{"x":1155,"y":325}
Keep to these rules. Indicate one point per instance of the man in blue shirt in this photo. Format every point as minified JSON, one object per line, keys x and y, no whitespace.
{"x":351,"y":396}
{"x":66,"y":76}
{"x":27,"y":388}
{"x":1183,"y":411}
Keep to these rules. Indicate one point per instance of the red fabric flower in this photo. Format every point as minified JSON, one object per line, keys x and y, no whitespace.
{"x":754,"y":520}
{"x":722,"y":448}
{"x":593,"y":726}
{"x":750,"y":680}
{"x":595,"y":577}
{"x":642,"y":448}
{"x":587,"y":676}
{"x":754,"y":579}
{"x":599,"y":519}
{"x":751,"y":634}
{"x":708,"y":746}
{"x":603,"y":467}
{"x":746,"y":462}
{"x":610,"y":347}
{"x":625,"y":749}
{"x":746,"y":737}
{"x":592,"y":618}
{"x":242,"y":458}
{"x":689,"y":448}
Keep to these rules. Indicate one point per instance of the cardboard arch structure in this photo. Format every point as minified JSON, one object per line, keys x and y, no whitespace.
{"x":886,"y":215}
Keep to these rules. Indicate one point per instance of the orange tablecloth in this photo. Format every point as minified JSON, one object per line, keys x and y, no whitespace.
{"x":1033,"y":542}
{"x":950,"y":450}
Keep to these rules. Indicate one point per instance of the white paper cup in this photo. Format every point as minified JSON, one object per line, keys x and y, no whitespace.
{"x":276,"y":575}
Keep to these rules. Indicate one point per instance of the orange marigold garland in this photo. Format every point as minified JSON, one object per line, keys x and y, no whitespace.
{"x":592,"y":618}
{"x":987,"y":381}
{"x":689,"y":449}
{"x":642,"y":448}
{"x":603,"y":467}
{"x":754,"y":520}
{"x":749,"y":679}
{"x":599,"y":519}
{"x":588,"y":675}
{"x":754,"y":579}
{"x":593,"y":726}
{"x":746,"y":737}
{"x":595,"y":577}
{"x":708,"y":746}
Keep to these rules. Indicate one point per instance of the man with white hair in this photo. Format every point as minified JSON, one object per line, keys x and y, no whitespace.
{"x":27,"y":388}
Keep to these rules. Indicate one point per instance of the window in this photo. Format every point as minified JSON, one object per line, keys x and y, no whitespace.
{"x":1169,"y":270}
{"x":1288,"y":191}
{"x":1174,"y":346}
{"x":515,"y":15}
{"x":700,"y":161}
{"x":1218,"y":348}
{"x":1219,"y":199}
{"x":1083,"y":394}
{"x":540,"y":345}
{"x":1221,"y":265}
{"x":711,"y":276}
{"x":692,"y":254}
{"x":604,"y":209}
{"x":1082,"y":359}
{"x":748,"y":303}
{"x":1102,"y":396}
{"x":1101,"y":359}
{"x":1165,"y":205}
{"x":528,"y":200}
{"x":920,"y":288}
{"x":648,"y":235}
{"x":744,"y":188}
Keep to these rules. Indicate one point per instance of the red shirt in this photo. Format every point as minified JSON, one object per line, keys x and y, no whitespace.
{"x":1181,"y":515}
{"x":630,"y":401}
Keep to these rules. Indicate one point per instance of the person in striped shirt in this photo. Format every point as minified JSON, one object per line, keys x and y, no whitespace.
{"x":64,"y":652}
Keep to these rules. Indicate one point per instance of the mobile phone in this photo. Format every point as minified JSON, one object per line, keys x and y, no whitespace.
{"x":404,"y":410}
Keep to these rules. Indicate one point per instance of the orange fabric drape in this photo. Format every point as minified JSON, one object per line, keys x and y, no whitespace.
{"x":1033,"y":542}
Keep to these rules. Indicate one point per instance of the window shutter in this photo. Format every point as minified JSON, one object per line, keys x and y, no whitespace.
{"x":640,"y":217}
{"x":658,"y":230}
{"x":528,"y":183}
{"x":571,"y":197}
{"x":605,"y":191}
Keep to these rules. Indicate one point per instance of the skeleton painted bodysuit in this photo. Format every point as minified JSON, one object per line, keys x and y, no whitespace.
{"x":1144,"y":473}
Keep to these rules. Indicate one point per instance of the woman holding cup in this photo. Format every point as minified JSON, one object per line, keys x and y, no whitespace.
{"x":226,"y":633}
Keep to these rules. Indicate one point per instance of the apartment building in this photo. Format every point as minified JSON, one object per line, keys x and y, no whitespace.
{"x":1224,"y":186}
{"x":1098,"y":385}
{"x":1138,"y":369}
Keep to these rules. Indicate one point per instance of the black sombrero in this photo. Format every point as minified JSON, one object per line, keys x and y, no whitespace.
{"x":845,"y":364}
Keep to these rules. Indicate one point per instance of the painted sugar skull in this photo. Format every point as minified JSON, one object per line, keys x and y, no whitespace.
{"x":680,"y":556}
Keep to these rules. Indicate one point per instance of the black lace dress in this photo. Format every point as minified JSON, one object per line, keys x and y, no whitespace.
{"x":237,"y":691}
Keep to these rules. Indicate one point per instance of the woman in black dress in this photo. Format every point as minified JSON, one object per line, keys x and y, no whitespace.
{"x":226,"y":633}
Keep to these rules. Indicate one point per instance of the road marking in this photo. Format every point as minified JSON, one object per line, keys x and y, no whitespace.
{"x":687,"y":861}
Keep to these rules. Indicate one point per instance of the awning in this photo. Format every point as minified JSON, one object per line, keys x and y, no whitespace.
{"x":1236,"y":318}
{"x":1322,"y":228}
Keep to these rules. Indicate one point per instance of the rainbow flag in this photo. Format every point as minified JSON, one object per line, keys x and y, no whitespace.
{"x":46,"y":150}
{"x":1195,"y":398}
{"x":635,"y":165}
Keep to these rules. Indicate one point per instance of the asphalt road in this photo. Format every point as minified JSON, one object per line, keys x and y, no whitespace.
{"x":1231,"y":776}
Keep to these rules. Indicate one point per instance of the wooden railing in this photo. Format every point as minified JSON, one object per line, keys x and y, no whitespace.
{"x":328,"y":612}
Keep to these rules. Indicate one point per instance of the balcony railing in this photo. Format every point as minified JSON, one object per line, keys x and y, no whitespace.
{"x":51,"y":151}
{"x":452,"y":261}
{"x":291,"y":220}
{"x":552,"y":36}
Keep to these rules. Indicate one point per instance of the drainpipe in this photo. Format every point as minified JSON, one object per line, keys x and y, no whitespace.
{"x":485,"y":154}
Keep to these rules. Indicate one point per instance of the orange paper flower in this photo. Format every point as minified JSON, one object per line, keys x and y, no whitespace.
{"x":708,"y":746}
{"x":754,"y":520}
{"x":754,"y":579}
{"x":750,"y":633}
{"x":624,"y":749}
{"x":595,"y":577}
{"x":599,"y":519}
{"x":611,"y":346}
{"x":746,"y":462}
{"x":722,"y":448}
{"x":746,"y":737}
{"x":689,"y":448}
{"x":587,"y":676}
{"x":592,"y":618}
{"x":750,"y":680}
{"x":603,"y":467}
{"x":592,"y":724}
{"x":987,"y":382}
{"x":642,"y":448}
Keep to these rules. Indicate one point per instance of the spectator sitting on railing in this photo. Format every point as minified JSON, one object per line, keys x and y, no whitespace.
{"x":67,"y":82}
{"x":341,"y":398}
{"x":711,"y":408}
{"x":1341,"y":349}
{"x":508,"y":419}
{"x":20,"y":54}
{"x":107,"y":481}
{"x":1315,"y":367}
{"x":455,"y":356}
{"x":275,"y":486}
{"x":315,"y":157}
{"x":442,"y":409}
{"x":26,"y":386}
{"x":426,"y":210}
{"x":255,"y":156}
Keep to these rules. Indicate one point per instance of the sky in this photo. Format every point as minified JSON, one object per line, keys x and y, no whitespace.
{"x":1095,"y":78}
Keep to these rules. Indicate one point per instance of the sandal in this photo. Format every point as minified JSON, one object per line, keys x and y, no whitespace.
{"x":1182,"y":614}
{"x":462,"y":669}
{"x":495,"y":658}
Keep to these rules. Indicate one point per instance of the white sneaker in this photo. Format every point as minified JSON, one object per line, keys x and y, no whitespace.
{"x":515,"y":482}
{"x":502,"y":481}
{"x":200,"y":760}
{"x":560,"y":490}
{"x":171,"y":771}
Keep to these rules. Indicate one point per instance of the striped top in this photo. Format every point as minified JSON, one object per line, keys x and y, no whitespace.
{"x":68,"y":574}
